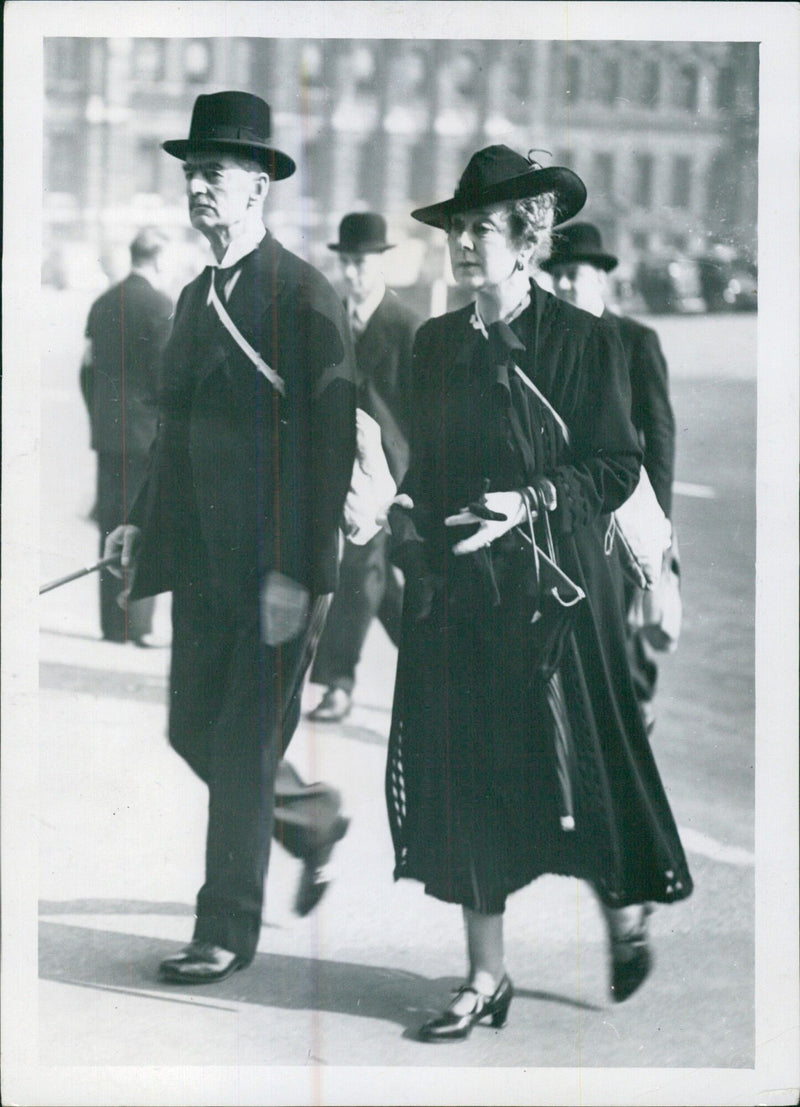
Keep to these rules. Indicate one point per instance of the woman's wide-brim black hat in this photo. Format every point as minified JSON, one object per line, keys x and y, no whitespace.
{"x":236,"y":123}
{"x":497,"y":174}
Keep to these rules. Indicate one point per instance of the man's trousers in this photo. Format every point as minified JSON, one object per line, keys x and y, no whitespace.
{"x":367,"y":587}
{"x":232,"y":713}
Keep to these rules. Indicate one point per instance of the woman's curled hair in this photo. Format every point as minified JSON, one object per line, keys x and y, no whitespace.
{"x":530,"y":222}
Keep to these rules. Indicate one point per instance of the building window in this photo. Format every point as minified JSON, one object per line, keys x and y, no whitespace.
{"x":603,"y":174}
{"x":681,"y":182}
{"x":520,"y":79}
{"x":726,"y":88}
{"x":686,"y":87}
{"x":650,"y":87}
{"x":148,"y":165}
{"x":643,"y":180}
{"x":412,"y":69}
{"x":62,"y":59}
{"x":466,"y":73}
{"x":608,"y":88}
{"x":573,"y":89}
{"x":312,"y":63}
{"x":149,"y":59}
{"x":197,"y":61}
{"x":62,"y":168}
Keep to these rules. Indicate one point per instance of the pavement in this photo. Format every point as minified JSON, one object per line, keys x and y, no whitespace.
{"x":327,"y":1012}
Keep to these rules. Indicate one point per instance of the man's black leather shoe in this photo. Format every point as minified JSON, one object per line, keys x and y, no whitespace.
{"x":200,"y":963}
{"x":315,"y":877}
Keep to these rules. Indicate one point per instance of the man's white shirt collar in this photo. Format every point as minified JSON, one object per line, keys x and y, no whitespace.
{"x":364,"y":311}
{"x":241,"y":246}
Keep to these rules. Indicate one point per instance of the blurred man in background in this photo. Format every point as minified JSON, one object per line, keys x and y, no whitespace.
{"x":126,"y":331}
{"x":579,"y":268}
{"x":383,"y":331}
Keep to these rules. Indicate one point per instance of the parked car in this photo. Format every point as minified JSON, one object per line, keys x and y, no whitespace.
{"x":670,"y":284}
{"x":728,"y":285}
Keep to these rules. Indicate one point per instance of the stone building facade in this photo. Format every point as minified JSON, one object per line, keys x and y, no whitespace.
{"x":663,"y":133}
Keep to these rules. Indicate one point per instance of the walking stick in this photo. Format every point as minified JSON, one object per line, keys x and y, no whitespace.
{"x":80,"y":573}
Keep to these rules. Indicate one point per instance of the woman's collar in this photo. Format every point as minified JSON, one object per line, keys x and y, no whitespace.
{"x":477,"y":322}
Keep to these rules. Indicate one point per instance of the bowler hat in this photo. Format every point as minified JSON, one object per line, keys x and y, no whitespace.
{"x":362,"y":232}
{"x":498,"y":173}
{"x":579,"y":242}
{"x":233,"y":123}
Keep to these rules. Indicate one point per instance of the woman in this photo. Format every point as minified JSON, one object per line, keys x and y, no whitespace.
{"x":495,"y":774}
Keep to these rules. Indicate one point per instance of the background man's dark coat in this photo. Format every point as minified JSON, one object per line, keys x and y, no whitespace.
{"x":128,"y":326}
{"x":368,"y":585}
{"x":653,"y":418}
{"x":651,"y":410}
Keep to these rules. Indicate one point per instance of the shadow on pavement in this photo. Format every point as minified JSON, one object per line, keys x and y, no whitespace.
{"x":112,"y":907}
{"x":112,"y":961}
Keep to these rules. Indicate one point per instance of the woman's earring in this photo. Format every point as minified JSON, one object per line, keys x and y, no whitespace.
{"x":520,"y":265}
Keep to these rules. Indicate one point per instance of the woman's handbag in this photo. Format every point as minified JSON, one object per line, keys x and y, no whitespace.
{"x":644,"y":534}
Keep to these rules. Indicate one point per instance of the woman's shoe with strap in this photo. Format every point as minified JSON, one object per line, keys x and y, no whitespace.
{"x":631,"y":959}
{"x":452,"y":1026}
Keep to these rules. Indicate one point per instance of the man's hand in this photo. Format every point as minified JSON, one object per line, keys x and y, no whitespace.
{"x":497,"y":513}
{"x":123,"y":543}
{"x":284,"y":609}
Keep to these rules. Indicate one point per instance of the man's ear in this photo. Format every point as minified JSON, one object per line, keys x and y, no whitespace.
{"x":260,"y":188}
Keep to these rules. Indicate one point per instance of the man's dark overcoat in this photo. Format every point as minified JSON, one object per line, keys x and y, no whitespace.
{"x":368,"y":585}
{"x":128,"y":327}
{"x":651,"y":410}
{"x":383,"y":360}
{"x":244,"y":481}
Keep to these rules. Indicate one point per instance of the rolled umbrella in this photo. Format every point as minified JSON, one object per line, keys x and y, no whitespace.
{"x":563,"y":747}
{"x":101,"y":564}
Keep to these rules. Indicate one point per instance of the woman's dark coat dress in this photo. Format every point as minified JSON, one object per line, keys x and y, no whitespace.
{"x":473,"y":790}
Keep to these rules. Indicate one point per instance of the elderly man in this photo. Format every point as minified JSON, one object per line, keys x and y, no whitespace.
{"x":125,"y":334}
{"x":383,"y":331}
{"x":239,"y":518}
{"x":579,"y":267}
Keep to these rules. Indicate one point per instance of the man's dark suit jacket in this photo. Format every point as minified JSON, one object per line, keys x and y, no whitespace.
{"x":243,"y":480}
{"x":128,"y":326}
{"x":651,"y":410}
{"x":383,"y":358}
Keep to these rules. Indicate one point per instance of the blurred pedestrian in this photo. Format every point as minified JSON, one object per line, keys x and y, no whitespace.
{"x":383,"y":330}
{"x":498,"y":772}
{"x":579,"y":267}
{"x":126,"y":332}
{"x":239,"y":518}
